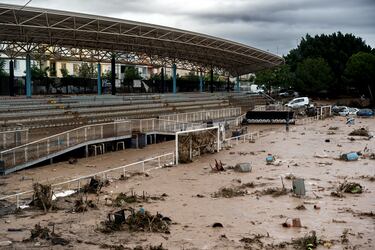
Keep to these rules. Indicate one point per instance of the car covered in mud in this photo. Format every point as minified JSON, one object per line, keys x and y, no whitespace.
{"x":365,"y":113}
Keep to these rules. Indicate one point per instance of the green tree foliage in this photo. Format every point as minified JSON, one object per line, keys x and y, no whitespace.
{"x":280,"y":76}
{"x":335,"y":49}
{"x":87,"y":70}
{"x":313,"y":75}
{"x":360,"y":72}
{"x":38,"y":73}
{"x":64,"y":72}
{"x":131,"y":73}
{"x":2,"y":66}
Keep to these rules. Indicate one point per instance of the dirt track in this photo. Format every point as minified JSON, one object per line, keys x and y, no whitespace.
{"x":244,"y":216}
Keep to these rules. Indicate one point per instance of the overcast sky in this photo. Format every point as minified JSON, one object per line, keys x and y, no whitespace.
{"x":273,"y":25}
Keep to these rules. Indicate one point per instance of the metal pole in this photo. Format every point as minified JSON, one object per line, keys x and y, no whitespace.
{"x":200,"y":82}
{"x":238,"y":84}
{"x":162,"y":80}
{"x":99,"y":79}
{"x":174,"y":75}
{"x":113,"y":75}
{"x":11,"y":78}
{"x":28,"y":76}
{"x":212,"y":80}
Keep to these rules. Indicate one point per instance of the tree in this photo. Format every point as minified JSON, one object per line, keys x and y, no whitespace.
{"x":335,"y":49}
{"x":131,"y":73}
{"x":2,"y":65}
{"x":313,"y":75}
{"x":87,"y":70}
{"x":64,"y":72}
{"x":280,"y":76}
{"x":360,"y":73}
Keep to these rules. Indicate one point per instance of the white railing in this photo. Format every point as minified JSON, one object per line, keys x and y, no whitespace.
{"x":13,"y":138}
{"x":272,"y":107}
{"x":76,"y":183}
{"x":241,"y":138}
{"x":324,"y":112}
{"x":59,"y":142}
{"x":203,"y":115}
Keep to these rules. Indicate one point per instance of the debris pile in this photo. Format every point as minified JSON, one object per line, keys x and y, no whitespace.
{"x":309,"y":241}
{"x":274,"y":191}
{"x":42,"y":197}
{"x":95,"y":185}
{"x":350,"y":187}
{"x":229,"y":192}
{"x":123,"y":198}
{"x":360,"y":132}
{"x":39,"y":232}
{"x":81,"y":205}
{"x":140,"y":221}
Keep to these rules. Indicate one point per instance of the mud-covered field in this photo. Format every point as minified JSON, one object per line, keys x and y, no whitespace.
{"x":255,"y":209}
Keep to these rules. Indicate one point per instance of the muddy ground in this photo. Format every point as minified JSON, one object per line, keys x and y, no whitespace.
{"x":252,"y":220}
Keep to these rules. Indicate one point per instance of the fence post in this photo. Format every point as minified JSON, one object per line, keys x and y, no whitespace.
{"x":25,"y":154}
{"x":67,"y":139}
{"x":79,"y":185}
{"x":85,"y":133}
{"x":101,"y":131}
{"x":143,"y":166}
{"x":48,"y":147}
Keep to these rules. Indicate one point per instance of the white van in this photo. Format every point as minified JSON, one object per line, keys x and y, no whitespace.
{"x":298,"y":102}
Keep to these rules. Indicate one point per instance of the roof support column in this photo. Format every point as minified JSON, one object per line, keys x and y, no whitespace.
{"x":113,"y":75}
{"x":174,"y":75}
{"x":99,"y":78}
{"x":200,"y":82}
{"x":11,"y":77}
{"x":212,"y":80}
{"x":238,"y":84}
{"x":162,"y":80}
{"x":228,"y":83}
{"x":28,"y":76}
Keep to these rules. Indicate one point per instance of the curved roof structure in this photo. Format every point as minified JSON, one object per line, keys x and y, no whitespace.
{"x":73,"y":36}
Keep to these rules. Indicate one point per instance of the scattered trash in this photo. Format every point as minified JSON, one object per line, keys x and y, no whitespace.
{"x":200,"y":196}
{"x":300,"y":207}
{"x":299,"y":187}
{"x":327,"y":140}
{"x":42,"y":197}
{"x":242,"y":167}
{"x":352,"y":156}
{"x":290,"y":176}
{"x":360,"y":132}
{"x":350,"y":187}
{"x":296,"y":222}
{"x":333,"y":128}
{"x":317,"y":207}
{"x":217,"y":224}
{"x":44,"y":233}
{"x":275,"y":191}
{"x":270,"y":159}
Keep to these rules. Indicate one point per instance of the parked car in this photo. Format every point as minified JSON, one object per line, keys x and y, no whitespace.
{"x":337,"y":109}
{"x":365,"y":112}
{"x":298,"y":102}
{"x":288,"y":93}
{"x":348,"y":111}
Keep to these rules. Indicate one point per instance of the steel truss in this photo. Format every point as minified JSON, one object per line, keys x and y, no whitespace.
{"x":60,"y":35}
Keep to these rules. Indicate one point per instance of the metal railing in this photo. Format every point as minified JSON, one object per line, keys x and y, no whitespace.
{"x":241,"y":138}
{"x":13,"y":138}
{"x":59,"y":142}
{"x":203,"y":115}
{"x":77,"y":183}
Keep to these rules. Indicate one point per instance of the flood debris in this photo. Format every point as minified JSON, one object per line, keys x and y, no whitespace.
{"x":352,"y":156}
{"x":229,"y":192}
{"x":217,"y":224}
{"x":95,"y":185}
{"x":350,"y":187}
{"x":140,"y":221}
{"x":219,"y":166}
{"x":309,"y":241}
{"x":72,"y":160}
{"x":254,"y":241}
{"x":296,"y":222}
{"x":131,"y":175}
{"x":83,"y":204}
{"x":133,"y":197}
{"x":274,"y":191}
{"x":42,"y":197}
{"x":44,"y":233}
{"x":270,"y":159}
{"x":333,"y":128}
{"x":360,"y":132}
{"x":299,"y":187}
{"x":300,"y":207}
{"x":242,"y":167}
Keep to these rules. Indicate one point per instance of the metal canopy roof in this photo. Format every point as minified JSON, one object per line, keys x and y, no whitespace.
{"x":62,"y":35}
